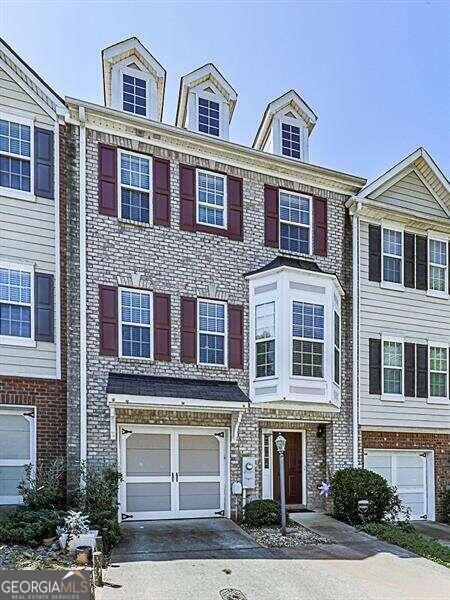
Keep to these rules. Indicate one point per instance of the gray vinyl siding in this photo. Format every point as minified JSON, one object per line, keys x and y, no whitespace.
{"x":411,"y":194}
{"x":27,"y":236}
{"x":409,"y":314}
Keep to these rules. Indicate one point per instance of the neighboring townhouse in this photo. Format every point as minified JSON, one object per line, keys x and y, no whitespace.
{"x":210,"y":296}
{"x":401,"y":225}
{"x":32,"y":273}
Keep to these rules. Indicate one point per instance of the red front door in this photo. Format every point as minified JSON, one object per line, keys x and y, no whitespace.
{"x":292,"y":467}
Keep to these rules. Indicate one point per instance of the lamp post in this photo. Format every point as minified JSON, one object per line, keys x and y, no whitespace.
{"x":280,"y":443}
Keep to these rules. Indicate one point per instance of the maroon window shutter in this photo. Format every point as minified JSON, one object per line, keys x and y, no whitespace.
{"x":235,"y":336}
{"x":108,"y":320}
{"x":188,"y":330}
{"x":161,"y":310}
{"x":235,"y":208}
{"x":320,"y":226}
{"x":187,"y":197}
{"x":271,"y":224}
{"x":107,"y":180}
{"x":161,"y":192}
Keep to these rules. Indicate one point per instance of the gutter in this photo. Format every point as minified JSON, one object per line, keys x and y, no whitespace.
{"x":82,"y":258}
{"x":355,"y":334}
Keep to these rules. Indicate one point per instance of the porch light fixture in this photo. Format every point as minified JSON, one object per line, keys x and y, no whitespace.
{"x":280,"y":443}
{"x":320,"y":430}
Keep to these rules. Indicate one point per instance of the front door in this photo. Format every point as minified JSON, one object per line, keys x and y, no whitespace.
{"x":172,"y":472}
{"x":292,"y":467}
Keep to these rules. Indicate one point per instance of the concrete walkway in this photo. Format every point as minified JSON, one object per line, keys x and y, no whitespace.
{"x":213,"y":559}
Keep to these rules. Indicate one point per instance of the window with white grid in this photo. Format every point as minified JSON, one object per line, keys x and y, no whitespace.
{"x":438,"y":359}
{"x":308,"y":339}
{"x":16,"y":303}
{"x":134,"y":90}
{"x":134,"y":187}
{"x":15,"y":155}
{"x":211,"y":332}
{"x":392,"y":256}
{"x":290,"y":140}
{"x":295,"y":222}
{"x":211,"y":199}
{"x":265,"y":339}
{"x":438,"y":265}
{"x":136,"y":323}
{"x":337,"y":348}
{"x":208,"y":116}
{"x":392,"y":367}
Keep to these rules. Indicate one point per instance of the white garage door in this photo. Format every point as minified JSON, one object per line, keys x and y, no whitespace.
{"x":407,"y":471}
{"x":172,"y":473}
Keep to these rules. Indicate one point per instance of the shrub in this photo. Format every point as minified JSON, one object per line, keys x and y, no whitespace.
{"x":407,"y":538}
{"x":447,"y":505}
{"x":98,"y":500}
{"x":43,"y":488}
{"x":262,"y":513}
{"x":30,"y":527}
{"x":350,"y":485}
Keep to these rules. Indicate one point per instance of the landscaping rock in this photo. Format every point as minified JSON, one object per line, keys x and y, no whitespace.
{"x":296,"y":535}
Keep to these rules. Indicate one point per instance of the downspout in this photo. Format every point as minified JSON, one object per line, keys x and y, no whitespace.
{"x":82,"y":253}
{"x":355,"y":320}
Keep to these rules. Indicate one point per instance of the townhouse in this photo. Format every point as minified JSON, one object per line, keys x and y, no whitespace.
{"x":32,"y":273}
{"x":401,"y":225}
{"x":210,"y":296}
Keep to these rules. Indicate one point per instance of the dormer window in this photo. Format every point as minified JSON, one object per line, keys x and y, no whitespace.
{"x":208,"y":116}
{"x":290,"y":140}
{"x":134,"y":94}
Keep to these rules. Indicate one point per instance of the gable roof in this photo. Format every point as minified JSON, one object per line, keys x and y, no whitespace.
{"x":38,"y":88}
{"x":421,"y":163}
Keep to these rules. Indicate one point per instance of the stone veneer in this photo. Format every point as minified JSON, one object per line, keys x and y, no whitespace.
{"x":185,"y":263}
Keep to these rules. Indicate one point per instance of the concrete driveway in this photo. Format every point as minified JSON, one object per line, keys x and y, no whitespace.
{"x":213,"y":559}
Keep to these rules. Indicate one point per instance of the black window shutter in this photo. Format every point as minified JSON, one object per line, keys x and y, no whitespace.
{"x":410,"y":370}
{"x":43,"y":163}
{"x":421,"y":263}
{"x":409,"y":253}
{"x":374,"y":253}
{"x":422,"y":371}
{"x":43,"y":307}
{"x":374,"y":366}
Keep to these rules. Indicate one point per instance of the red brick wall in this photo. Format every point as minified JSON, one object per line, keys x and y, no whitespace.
{"x":48,"y":395}
{"x":439,"y":442}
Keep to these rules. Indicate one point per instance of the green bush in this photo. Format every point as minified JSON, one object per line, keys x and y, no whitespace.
{"x":348,"y":486}
{"x":43,"y":488}
{"x":407,"y":538}
{"x":98,"y":500}
{"x":262,"y":513}
{"x":447,"y":505}
{"x":30,"y":527}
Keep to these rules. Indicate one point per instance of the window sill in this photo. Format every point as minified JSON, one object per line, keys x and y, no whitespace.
{"x":393,"y":397}
{"x":18,"y":194}
{"x":437,"y":294}
{"x":389,"y":285}
{"x":212,"y":365}
{"x":133,"y":359}
{"x":436,"y":400}
{"x":267,"y":378}
{"x":7,"y":340}
{"x":308,"y":378}
{"x":131,"y":222}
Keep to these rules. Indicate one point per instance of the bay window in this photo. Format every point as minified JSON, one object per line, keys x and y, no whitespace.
{"x":308,"y":339}
{"x":265,"y":339}
{"x":337,"y":348}
{"x":211,"y":332}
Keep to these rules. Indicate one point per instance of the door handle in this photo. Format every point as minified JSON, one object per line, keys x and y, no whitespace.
{"x":172,"y":476}
{"x":176,"y":476}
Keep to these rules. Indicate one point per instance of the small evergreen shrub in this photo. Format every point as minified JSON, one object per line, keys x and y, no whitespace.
{"x":30,"y":527}
{"x":348,"y":486}
{"x":262,"y":513}
{"x":43,"y":489}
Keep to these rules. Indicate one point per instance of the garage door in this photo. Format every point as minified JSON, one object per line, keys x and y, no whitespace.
{"x":407,"y":471}
{"x":172,"y":473}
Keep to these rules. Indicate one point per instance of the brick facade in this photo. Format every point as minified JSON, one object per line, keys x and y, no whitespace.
{"x":185,"y":263}
{"x":439,"y":442}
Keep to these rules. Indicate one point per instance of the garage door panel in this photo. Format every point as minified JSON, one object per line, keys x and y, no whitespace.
{"x":10,"y":477}
{"x":148,"y":454}
{"x":199,"y":455}
{"x":410,"y":476}
{"x":148,"y":497}
{"x":14,"y":437}
{"x":199,"y":496}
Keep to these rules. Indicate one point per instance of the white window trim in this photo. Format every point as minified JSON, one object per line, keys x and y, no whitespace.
{"x":293,"y":123}
{"x":124,"y":70}
{"x":225,"y":200}
{"x":224,"y":334}
{"x":337,"y":348}
{"x":391,"y":284}
{"x":213,"y":98}
{"x":437,"y":293}
{"x":138,"y":189}
{"x":19,"y":410}
{"x":10,"y":192}
{"x":437,"y":399}
{"x":9,"y":340}
{"x":305,"y":339}
{"x":267,"y":339}
{"x":310,"y":226}
{"x":386,"y":396}
{"x":121,"y":323}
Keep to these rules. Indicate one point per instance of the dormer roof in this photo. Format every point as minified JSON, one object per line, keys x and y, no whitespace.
{"x":299,"y":107}
{"x":208,"y":73}
{"x":131,"y":52}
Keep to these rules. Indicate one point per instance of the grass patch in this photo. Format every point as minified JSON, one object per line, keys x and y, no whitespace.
{"x":407,"y":538}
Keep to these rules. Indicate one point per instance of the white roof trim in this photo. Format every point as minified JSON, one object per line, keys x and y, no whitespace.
{"x":132,"y":401}
{"x":133,"y":44}
{"x":297,"y":270}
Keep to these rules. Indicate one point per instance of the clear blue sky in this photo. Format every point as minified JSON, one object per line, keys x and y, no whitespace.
{"x":377,"y":74}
